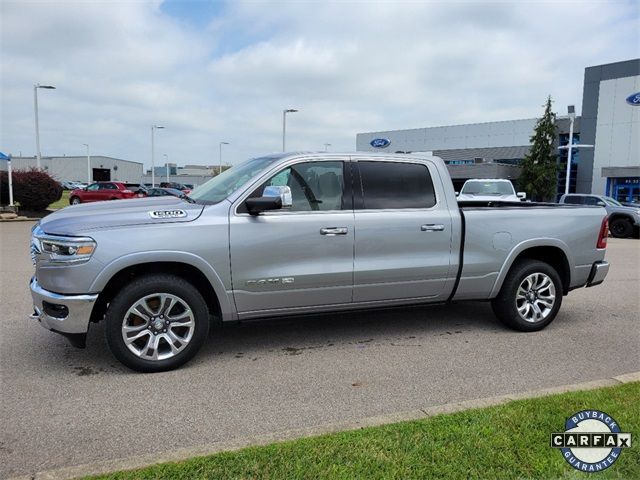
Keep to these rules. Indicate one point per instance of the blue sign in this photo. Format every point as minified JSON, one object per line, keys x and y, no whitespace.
{"x":380,"y":143}
{"x":3,"y":156}
{"x":634,"y":99}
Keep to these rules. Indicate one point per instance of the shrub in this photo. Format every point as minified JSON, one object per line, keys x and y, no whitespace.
{"x":34,"y":189}
{"x":4,"y":188}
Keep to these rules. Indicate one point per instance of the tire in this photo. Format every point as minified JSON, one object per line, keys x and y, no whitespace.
{"x":542,"y":288}
{"x":621,"y":228}
{"x":75,"y":201}
{"x":161,"y":301}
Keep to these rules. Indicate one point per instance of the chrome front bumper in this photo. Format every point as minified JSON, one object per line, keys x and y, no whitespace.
{"x":66,"y":314}
{"x":599,"y":270}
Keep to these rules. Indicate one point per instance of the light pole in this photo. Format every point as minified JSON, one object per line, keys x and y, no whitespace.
{"x":153,"y":155}
{"x":326,"y":146}
{"x":88,"y":164}
{"x":572,"y":117}
{"x":166,"y":164}
{"x":571,"y":110}
{"x":220,"y":155}
{"x":35,"y":109}
{"x":284,"y":125}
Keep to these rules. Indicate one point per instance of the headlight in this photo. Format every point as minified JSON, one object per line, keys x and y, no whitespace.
{"x":68,"y":249}
{"x":57,"y":249}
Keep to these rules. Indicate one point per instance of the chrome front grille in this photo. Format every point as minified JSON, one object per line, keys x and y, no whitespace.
{"x":34,"y":250}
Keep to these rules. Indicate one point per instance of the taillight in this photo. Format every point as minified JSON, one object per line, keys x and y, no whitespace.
{"x":604,"y":233}
{"x":127,"y":191}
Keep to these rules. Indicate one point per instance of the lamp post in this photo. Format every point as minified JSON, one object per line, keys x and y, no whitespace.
{"x":572,"y":117}
{"x":88,"y":164}
{"x":326,"y":146}
{"x":570,"y":146}
{"x":284,"y":126}
{"x":153,"y":154}
{"x":220,"y":155}
{"x":35,"y":109}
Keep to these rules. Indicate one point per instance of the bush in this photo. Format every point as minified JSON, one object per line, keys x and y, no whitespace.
{"x":4,"y":188}
{"x":33,"y":189}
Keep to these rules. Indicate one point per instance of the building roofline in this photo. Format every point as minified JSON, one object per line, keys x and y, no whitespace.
{"x":447,"y":126}
{"x":613,"y":63}
{"x":73,"y":157}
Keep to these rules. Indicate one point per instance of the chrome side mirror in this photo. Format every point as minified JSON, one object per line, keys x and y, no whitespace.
{"x":600,"y":203}
{"x":282,"y":191}
{"x":522,"y":195}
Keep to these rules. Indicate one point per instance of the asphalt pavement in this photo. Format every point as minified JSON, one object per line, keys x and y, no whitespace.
{"x":60,"y":406}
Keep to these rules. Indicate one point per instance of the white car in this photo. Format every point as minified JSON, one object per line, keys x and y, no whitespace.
{"x":489,"y":189}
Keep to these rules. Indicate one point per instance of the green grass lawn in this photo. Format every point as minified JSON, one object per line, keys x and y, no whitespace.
{"x":507,"y":441}
{"x":63,"y":202}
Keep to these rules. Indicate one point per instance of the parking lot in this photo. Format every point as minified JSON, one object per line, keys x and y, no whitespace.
{"x":61,"y":406}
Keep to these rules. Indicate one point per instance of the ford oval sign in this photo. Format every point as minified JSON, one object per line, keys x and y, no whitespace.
{"x":380,"y":142}
{"x":633,"y":99}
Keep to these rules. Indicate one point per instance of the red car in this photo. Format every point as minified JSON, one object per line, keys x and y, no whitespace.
{"x":100,"y":191}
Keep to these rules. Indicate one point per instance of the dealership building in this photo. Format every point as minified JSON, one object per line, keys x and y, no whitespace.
{"x":77,"y":168}
{"x":610,"y":122}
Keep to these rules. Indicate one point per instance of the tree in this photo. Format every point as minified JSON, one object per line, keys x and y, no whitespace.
{"x":539,"y":176}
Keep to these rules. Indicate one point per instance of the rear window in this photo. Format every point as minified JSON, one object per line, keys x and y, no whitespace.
{"x":574,"y":199}
{"x":395,"y":185}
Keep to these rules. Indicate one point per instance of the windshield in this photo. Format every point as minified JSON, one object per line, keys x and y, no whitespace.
{"x":612,"y":201}
{"x":487,"y":188}
{"x":223,"y":185}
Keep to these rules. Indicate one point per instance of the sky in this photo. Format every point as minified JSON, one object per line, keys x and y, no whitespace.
{"x":224,"y":71}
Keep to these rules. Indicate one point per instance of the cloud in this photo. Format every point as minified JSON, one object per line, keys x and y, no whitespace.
{"x":348,"y":66}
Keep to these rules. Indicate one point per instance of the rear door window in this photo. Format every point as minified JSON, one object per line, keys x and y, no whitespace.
{"x":591,"y":200}
{"x":395,"y":185}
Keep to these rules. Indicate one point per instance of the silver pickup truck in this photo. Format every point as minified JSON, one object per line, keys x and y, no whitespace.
{"x":301,"y":233}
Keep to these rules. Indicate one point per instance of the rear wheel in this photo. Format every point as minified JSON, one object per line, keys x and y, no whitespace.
{"x":75,"y":201}
{"x":530,"y":296}
{"x":621,"y":228}
{"x":156,"y":323}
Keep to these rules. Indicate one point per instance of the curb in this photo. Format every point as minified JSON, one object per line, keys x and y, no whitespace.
{"x":25,"y":219}
{"x":109,"y":466}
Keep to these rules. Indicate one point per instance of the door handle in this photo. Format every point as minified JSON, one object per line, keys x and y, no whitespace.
{"x":432,"y":227}
{"x":331,"y":231}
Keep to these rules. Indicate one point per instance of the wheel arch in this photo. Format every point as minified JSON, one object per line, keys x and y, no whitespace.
{"x":189,"y":267}
{"x":552,"y":251}
{"x":620,"y":216}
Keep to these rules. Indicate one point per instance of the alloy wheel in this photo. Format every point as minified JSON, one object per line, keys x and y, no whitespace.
{"x":535,"y":297}
{"x":158,"y":326}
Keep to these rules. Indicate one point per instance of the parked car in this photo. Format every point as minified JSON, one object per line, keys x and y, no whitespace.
{"x":623,"y":220}
{"x":490,"y":189}
{"x":68,"y":185}
{"x":177,"y":186}
{"x":164,"y":192}
{"x":100,"y":191}
{"x":289,"y":234}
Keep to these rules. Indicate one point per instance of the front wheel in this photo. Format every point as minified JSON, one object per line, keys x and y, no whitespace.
{"x":75,"y":201}
{"x":156,"y":323}
{"x":530,"y":296}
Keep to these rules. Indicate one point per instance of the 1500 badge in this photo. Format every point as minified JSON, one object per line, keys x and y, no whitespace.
{"x":270,"y":281}
{"x":168,"y":214}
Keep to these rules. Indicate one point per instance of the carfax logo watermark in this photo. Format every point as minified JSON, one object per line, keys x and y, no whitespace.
{"x":592,"y":441}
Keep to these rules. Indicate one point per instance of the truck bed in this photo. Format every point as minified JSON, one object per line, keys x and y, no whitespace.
{"x":495,"y":233}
